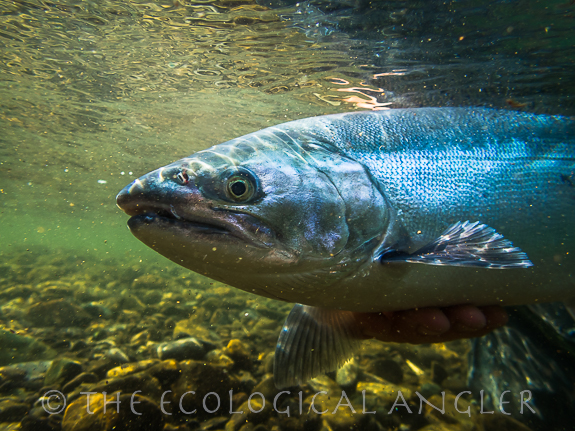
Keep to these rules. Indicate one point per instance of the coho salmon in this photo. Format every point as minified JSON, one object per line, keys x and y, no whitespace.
{"x":371,"y":211}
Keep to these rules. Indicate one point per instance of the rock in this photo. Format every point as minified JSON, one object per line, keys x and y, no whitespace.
{"x":186,"y":348}
{"x":53,"y":291}
{"x":77,"y":417}
{"x":220,"y":359}
{"x":152,"y":297}
{"x":13,"y":426}
{"x":240,"y":354}
{"x":193,"y":326}
{"x":38,"y":420}
{"x":101,"y":366}
{"x":203,"y":378}
{"x":264,"y":324}
{"x":451,"y":416}
{"x":498,"y":422}
{"x":219,"y":318}
{"x":12,"y":410}
{"x":20,"y":348}
{"x":267,"y":387}
{"x":148,"y":282}
{"x":21,"y":291}
{"x":440,"y":427}
{"x":57,"y":312}
{"x":455,"y":383}
{"x":324,"y":383}
{"x":246,"y":380}
{"x":62,"y":370}
{"x":438,"y":373}
{"x":214,"y":423}
{"x":167,"y":372}
{"x":384,"y":393}
{"x":97,"y":310}
{"x":117,"y":355}
{"x":79,"y":346}
{"x":268,"y":363}
{"x":344,"y":418}
{"x":271,"y":314}
{"x":131,"y":368}
{"x":140,"y":339}
{"x":78,"y":380}
{"x":129,"y":302}
{"x":428,"y":389}
{"x":183,"y":311}
{"x":25,"y":375}
{"x":148,"y":385}
{"x":387,"y":369}
{"x":255,"y":411}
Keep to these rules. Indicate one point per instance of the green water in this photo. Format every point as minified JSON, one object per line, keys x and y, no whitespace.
{"x":94,"y":94}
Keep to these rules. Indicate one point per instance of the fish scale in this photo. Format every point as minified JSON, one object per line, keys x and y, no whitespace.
{"x":426,"y":171}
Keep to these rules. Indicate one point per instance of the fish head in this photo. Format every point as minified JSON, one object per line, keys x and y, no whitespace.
{"x":249,"y":210}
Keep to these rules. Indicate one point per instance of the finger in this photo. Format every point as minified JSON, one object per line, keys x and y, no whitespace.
{"x":465,"y":318}
{"x":422,"y":321}
{"x":374,"y":325}
{"x":432,"y":325}
{"x":495,"y":315}
{"x":410,"y":326}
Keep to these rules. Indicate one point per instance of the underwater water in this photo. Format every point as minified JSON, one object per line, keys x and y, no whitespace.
{"x":95,"y":94}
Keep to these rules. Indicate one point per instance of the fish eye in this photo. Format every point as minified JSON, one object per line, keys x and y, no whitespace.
{"x":239,"y":188}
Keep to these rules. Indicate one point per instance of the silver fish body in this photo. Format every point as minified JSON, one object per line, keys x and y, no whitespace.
{"x":373,"y":211}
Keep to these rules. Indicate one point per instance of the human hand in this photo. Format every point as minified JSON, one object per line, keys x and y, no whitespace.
{"x":432,"y":324}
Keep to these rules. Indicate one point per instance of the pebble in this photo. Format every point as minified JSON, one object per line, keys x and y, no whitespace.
{"x":78,"y":380}
{"x":387,"y":369}
{"x":145,"y":335}
{"x":21,"y":348}
{"x":77,"y":417}
{"x":38,"y":420}
{"x":203,"y":378}
{"x":131,"y":368}
{"x":62,"y":370}
{"x":12,"y":410}
{"x":384,"y":393}
{"x":29,"y":375}
{"x":117,"y":355}
{"x":186,"y":348}
{"x":57,"y":312}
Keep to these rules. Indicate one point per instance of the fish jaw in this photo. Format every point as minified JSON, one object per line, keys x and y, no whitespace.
{"x":171,"y":215}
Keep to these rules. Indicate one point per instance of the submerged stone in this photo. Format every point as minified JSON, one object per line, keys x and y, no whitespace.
{"x":12,"y":410}
{"x":186,"y":348}
{"x":58,"y":312}
{"x":384,"y":393}
{"x":21,"y":348}
{"x":62,"y":370}
{"x":78,"y":380}
{"x":121,"y":418}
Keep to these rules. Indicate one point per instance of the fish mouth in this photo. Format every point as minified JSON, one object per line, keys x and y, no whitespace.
{"x":215,"y":225}
{"x":147,"y":215}
{"x":168,"y":218}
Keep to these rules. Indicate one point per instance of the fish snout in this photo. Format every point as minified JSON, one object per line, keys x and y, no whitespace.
{"x":161,"y":188}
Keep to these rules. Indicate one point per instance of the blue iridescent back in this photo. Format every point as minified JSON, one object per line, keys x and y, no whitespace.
{"x":512,"y":171}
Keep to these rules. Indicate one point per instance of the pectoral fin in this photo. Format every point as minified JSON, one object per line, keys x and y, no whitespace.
{"x":465,"y":244}
{"x":313,"y":341}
